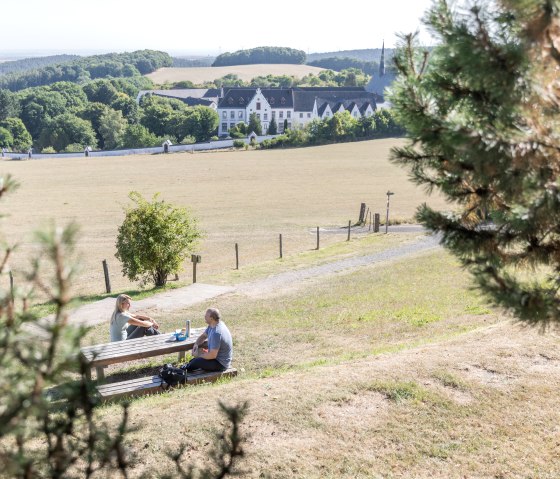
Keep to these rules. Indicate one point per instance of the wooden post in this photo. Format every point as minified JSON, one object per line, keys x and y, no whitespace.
{"x":195,"y":258}
{"x":11,"y":286}
{"x":376,"y":223}
{"x":236,"y":256}
{"x":366,"y":216}
{"x":317,"y":237}
{"x":349,"y":224}
{"x":24,"y":305}
{"x":370,"y":224}
{"x":362,"y":212}
{"x":106,"y":273}
{"x":280,"y":245}
{"x":176,"y":277}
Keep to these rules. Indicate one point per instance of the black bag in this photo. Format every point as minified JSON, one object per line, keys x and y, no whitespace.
{"x":171,"y":376}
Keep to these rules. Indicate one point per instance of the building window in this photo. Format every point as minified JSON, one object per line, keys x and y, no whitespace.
{"x":232,"y":114}
{"x":301,"y":115}
{"x":231,"y":125}
{"x":224,"y":126}
{"x":309,"y":115}
{"x":258,"y":105}
{"x":273,"y":114}
{"x":289,"y":124}
{"x":288,"y":114}
{"x":259,"y":116}
{"x":224,"y":114}
{"x":355,"y":114}
{"x":266,"y":116}
{"x":240,"y":114}
{"x":281,"y":114}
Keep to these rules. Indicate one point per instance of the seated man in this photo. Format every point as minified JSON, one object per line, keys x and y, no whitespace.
{"x":220,"y":346}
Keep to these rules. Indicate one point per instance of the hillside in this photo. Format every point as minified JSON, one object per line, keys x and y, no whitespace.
{"x":245,"y":72}
{"x":26,"y":64}
{"x":370,"y":54}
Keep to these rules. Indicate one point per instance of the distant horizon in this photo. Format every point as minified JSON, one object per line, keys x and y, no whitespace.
{"x":18,"y":54}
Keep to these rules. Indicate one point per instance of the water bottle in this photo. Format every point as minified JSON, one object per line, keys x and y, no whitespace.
{"x":188,"y":328}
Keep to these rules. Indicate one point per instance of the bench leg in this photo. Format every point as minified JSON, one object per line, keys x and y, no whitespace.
{"x":88,"y":374}
{"x":181,"y":355}
{"x":100,"y":373}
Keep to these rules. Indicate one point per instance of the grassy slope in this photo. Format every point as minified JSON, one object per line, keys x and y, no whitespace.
{"x":245,"y":72}
{"x":392,"y":371}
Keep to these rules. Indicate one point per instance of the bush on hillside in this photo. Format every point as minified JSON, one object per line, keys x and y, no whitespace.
{"x":155,"y":239}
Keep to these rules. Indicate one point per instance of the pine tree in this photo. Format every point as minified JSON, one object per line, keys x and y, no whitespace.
{"x":254,"y":124}
{"x":481,"y":111}
{"x":272,"y":127}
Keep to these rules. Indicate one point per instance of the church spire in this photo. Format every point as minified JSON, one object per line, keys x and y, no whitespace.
{"x":382,"y":61}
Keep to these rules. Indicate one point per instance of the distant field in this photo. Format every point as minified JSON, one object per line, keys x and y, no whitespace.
{"x":245,"y":72}
{"x":248,"y":197}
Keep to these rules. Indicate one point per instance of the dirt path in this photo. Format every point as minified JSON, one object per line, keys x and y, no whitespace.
{"x":172,"y":300}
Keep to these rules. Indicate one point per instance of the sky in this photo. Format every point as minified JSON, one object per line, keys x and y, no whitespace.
{"x":196,"y":27}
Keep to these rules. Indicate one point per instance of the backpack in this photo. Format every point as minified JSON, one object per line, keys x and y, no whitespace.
{"x":171,"y":376}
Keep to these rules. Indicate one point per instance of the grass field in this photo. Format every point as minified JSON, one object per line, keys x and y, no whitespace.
{"x":248,"y":197}
{"x":245,"y":72}
{"x":397,"y":370}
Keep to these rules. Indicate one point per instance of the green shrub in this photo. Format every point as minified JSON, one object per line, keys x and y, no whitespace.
{"x":48,"y":149}
{"x":238,"y":143}
{"x":154,"y":239}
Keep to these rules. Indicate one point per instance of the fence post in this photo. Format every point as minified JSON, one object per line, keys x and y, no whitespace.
{"x":11,"y":286}
{"x":366,"y":216}
{"x":362,"y":212}
{"x":349,"y":224}
{"x":376,"y":223}
{"x":317,"y":237}
{"x":236,"y":256}
{"x":370,"y":224}
{"x":280,"y":245}
{"x":106,"y":273}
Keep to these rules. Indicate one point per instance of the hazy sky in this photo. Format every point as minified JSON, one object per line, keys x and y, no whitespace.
{"x":204,"y":27}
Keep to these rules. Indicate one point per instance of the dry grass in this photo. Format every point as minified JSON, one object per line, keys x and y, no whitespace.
{"x":247,"y":197}
{"x":341,"y":383}
{"x":245,"y":72}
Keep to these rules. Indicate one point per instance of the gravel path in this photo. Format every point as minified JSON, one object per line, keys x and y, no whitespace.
{"x":290,"y":278}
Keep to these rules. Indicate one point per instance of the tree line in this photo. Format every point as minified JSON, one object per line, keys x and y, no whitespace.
{"x":102,"y":114}
{"x":26,"y":64}
{"x":261,"y":55}
{"x":83,"y":69}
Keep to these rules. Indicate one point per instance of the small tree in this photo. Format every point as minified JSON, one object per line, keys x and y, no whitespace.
{"x":272,"y":127}
{"x":481,"y":110}
{"x":254,"y":124}
{"x":154,"y":239}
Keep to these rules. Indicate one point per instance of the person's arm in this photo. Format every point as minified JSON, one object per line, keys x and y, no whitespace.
{"x":199,"y":341}
{"x":211,"y":354}
{"x":146,"y":318}
{"x":139,"y":322}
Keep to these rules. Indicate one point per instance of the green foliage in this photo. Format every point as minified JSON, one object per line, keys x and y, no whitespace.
{"x":138,"y":136}
{"x":130,"y":64}
{"x":485,"y":136}
{"x":6,"y":138}
{"x":26,"y":64}
{"x":9,"y":105}
{"x":112,"y":127}
{"x":260,"y":55}
{"x":65,"y":129}
{"x":238,"y":144}
{"x":272,"y":127}
{"x":238,"y":131}
{"x":155,"y":239}
{"x":254,"y":124}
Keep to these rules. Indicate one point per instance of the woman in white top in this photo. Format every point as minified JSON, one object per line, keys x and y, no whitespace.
{"x":125,"y":325}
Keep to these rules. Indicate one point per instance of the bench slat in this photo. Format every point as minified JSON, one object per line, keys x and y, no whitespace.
{"x":152,"y":384}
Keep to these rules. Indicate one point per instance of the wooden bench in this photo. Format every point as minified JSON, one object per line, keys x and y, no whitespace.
{"x":101,"y":355}
{"x":153,"y":384}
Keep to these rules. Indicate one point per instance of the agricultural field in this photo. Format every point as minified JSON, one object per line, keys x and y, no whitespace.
{"x":248,"y":197}
{"x":245,"y":72}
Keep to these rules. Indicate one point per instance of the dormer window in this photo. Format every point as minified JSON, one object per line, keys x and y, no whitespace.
{"x":271,"y":101}
{"x":258,"y":105}
{"x":230,"y":100}
{"x":282,"y":100}
{"x":241,"y":100}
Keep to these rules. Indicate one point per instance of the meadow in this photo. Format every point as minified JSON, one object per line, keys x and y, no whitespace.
{"x":248,"y":197}
{"x":399,"y":369}
{"x":244,"y":72}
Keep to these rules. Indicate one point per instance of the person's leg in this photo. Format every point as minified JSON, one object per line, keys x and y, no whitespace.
{"x":133,"y":332}
{"x":206,"y":364}
{"x":151,"y":331}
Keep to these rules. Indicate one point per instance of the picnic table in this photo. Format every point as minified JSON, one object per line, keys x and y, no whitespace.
{"x":100,"y":356}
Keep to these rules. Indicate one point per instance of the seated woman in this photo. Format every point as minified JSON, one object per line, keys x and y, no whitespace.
{"x":125,"y":325}
{"x":220,"y":346}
